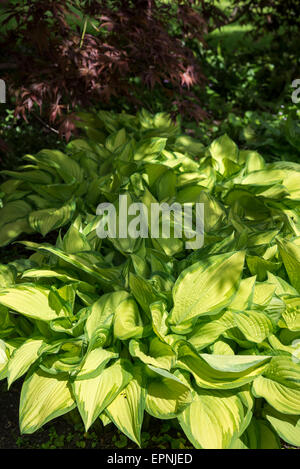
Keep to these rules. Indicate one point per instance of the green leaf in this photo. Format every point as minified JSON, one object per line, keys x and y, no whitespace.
{"x":128,"y":322}
{"x":36,"y":176}
{"x":213,"y":420}
{"x":22,"y":358}
{"x":263,"y":293}
{"x":282,"y":398}
{"x":286,"y":426}
{"x":234,"y":363}
{"x":290,"y":317}
{"x":290,"y":254}
{"x":94,"y":363}
{"x":159,"y":316}
{"x":93,"y":395}
{"x":199,"y":291}
{"x":143,"y":291}
{"x":43,"y":398}
{"x":254,"y":325}
{"x":260,"y":267}
{"x":115,"y":140}
{"x":149,"y":147}
{"x":207,"y":331}
{"x":284,"y":370}
{"x":103,"y":275}
{"x":4,"y":358}
{"x":223,"y":149}
{"x":223,"y":371}
{"x":244,"y":295}
{"x":44,"y":221}
{"x":102,"y":313}
{"x":14,"y":220}
{"x":258,"y":435}
{"x":282,"y":287}
{"x":214,"y":212}
{"x":167,"y":397}
{"x":32,"y":301}
{"x":159,"y":355}
{"x":7,"y":276}
{"x":65,"y":166}
{"x":127,"y":410}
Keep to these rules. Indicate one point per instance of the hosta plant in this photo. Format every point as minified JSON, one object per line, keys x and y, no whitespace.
{"x":117,"y":327}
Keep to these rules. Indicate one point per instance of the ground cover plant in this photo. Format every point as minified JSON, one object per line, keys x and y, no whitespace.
{"x":119,"y":328}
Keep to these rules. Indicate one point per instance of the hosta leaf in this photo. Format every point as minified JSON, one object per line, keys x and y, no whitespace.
{"x":282,"y":287}
{"x":143,"y":291}
{"x":14,"y":221}
{"x":221,"y":347}
{"x":260,"y":267}
{"x":62,"y":299}
{"x":234,"y":363}
{"x":7,"y":323}
{"x":286,"y":426}
{"x":185,"y":143}
{"x":254,"y":161}
{"x":201,"y":292}
{"x":167,"y":397}
{"x":128,"y":322}
{"x":93,"y":395}
{"x":150,"y":147}
{"x":103,"y":275}
{"x":44,"y":221}
{"x":13,"y":211}
{"x":22,"y":359}
{"x":170,"y":246}
{"x":7,"y":276}
{"x":290,"y":253}
{"x":208,"y":331}
{"x":36,"y":176}
{"x":65,"y":166}
{"x":258,"y":435}
{"x":94,"y":362}
{"x":254,"y":325}
{"x":263,"y":293}
{"x":166,"y":186}
{"x":282,"y":398}
{"x":29,"y":300}
{"x":221,"y":149}
{"x":159,"y":355}
{"x":4,"y":358}
{"x":284,"y":370}
{"x":115,"y":140}
{"x":104,"y":419}
{"x":265,"y":177}
{"x":290,"y":317}
{"x":59,"y":274}
{"x":159,"y":316}
{"x":213,"y":420}
{"x":75,"y":241}
{"x":214,"y":212}
{"x":127,"y":410}
{"x":102,"y":312}
{"x":221,"y":372}
{"x":58,"y":193}
{"x":244,"y":295}
{"x":43,"y":398}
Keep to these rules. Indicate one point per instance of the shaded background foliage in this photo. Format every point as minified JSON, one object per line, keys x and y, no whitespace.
{"x":58,"y":57}
{"x":68,"y":54}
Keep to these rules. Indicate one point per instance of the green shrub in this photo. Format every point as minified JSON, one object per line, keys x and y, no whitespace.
{"x":118,"y":327}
